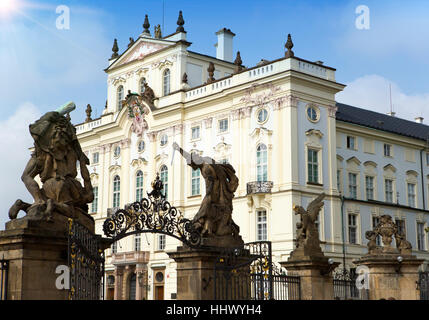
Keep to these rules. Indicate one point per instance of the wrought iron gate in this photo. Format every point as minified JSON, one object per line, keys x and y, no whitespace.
{"x":248,"y":273}
{"x":345,"y":286}
{"x":86,"y":263}
{"x":424,"y":285}
{"x":4,"y":269}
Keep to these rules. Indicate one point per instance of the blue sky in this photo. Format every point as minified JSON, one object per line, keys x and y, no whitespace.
{"x":42,"y":67}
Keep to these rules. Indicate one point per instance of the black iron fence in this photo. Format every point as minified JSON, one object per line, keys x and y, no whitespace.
{"x":345,"y":286}
{"x":424,"y":285}
{"x":4,"y":270}
{"x":249,"y":274}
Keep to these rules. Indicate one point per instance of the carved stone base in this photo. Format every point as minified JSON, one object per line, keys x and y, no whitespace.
{"x":223,"y":241}
{"x":34,"y":251}
{"x":195,"y":273}
{"x":315,"y":274}
{"x":389,"y":278}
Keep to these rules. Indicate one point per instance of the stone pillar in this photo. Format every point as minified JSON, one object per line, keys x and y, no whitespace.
{"x":389,"y":278}
{"x":34,"y":250}
{"x":119,"y":274}
{"x":195,"y":268}
{"x":315,"y":276}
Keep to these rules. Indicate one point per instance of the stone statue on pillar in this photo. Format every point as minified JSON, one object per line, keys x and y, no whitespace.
{"x":54,"y":160}
{"x":214,"y":218}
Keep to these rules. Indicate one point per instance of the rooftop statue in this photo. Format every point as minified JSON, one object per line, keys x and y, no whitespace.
{"x":56,"y":154}
{"x":214,"y":218}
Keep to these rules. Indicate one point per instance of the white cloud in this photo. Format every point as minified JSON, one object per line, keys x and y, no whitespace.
{"x":372,"y":92}
{"x":15,"y":140}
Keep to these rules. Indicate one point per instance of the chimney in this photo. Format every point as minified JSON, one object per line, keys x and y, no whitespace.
{"x":419,"y":119}
{"x":391,"y":113}
{"x":224,"y":44}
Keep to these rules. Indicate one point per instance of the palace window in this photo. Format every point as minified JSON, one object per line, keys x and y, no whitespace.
{"x":161,"y":242}
{"x":339,"y":180}
{"x":114,"y":247}
{"x":195,"y":132}
{"x":261,"y":225}
{"x":411,"y":187}
{"x":351,"y":142}
{"x":261,"y":163}
{"x":137,"y":242}
{"x":139,"y":186}
{"x":141,"y":146}
{"x":387,"y":150}
{"x":312,"y":114}
{"x":164,"y":140}
{"x":94,"y":204}
{"x":95,"y":157}
{"x":142,"y":87}
{"x":262,"y":116}
{"x":164,"y":178}
{"x":369,"y":187}
{"x":120,"y":97}
{"x":313,"y":166}
{"x":401,"y":226}
{"x":427,"y":158}
{"x":166,"y":82}
{"x":116,"y":191}
{"x":375,"y":222}
{"x":195,"y":182}
{"x":353,"y":185}
{"x":117,"y":151}
{"x":388,"y":190}
{"x":223,"y":125}
{"x":420,"y":236}
{"x":352,"y":228}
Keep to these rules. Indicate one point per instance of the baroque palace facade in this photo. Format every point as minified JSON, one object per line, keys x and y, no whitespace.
{"x":279,"y":126}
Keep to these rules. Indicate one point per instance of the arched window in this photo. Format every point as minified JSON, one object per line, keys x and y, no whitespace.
{"x":139,"y":185}
{"x":164,"y":178}
{"x":116,"y":191}
{"x":166,"y":81}
{"x":120,"y":97}
{"x":132,"y":287}
{"x":261,"y":163}
{"x":141,"y":86}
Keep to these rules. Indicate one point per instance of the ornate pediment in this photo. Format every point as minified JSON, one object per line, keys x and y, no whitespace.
{"x":139,"y":51}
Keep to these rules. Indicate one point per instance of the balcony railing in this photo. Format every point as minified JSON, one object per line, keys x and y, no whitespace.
{"x":259,"y":187}
{"x":132,"y":257}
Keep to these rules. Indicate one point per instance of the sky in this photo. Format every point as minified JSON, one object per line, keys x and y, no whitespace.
{"x":43,"y":66}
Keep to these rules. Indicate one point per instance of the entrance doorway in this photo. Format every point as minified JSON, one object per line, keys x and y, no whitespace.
{"x":159,"y":293}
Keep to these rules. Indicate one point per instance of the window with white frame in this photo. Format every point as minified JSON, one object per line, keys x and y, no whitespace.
{"x":339,"y":180}
{"x":223,"y":125}
{"x":94,"y":204}
{"x":161,"y":242}
{"x":95,"y":157}
{"x":427,"y":158}
{"x":262,"y":116}
{"x":353,"y":185}
{"x":195,"y":132}
{"x":387,"y":150}
{"x":261,"y":225}
{"x":195,"y":182}
{"x":166,"y":82}
{"x":421,"y":236}
{"x":164,"y":178}
{"x":117,"y":151}
{"x":313,"y":165}
{"x":141,"y":146}
{"x":261,"y":163}
{"x":137,"y":242}
{"x":411,"y":188}
{"x":114,"y":247}
{"x":369,"y":187}
{"x":116,"y":191}
{"x":351,"y":142}
{"x":375,"y":222}
{"x":352,"y":226}
{"x":139,"y":185}
{"x":164,"y":140}
{"x":388,"y":190}
{"x":120,"y":97}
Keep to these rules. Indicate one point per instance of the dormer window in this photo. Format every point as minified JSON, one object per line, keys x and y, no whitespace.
{"x":166,"y":82}
{"x":120,"y":97}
